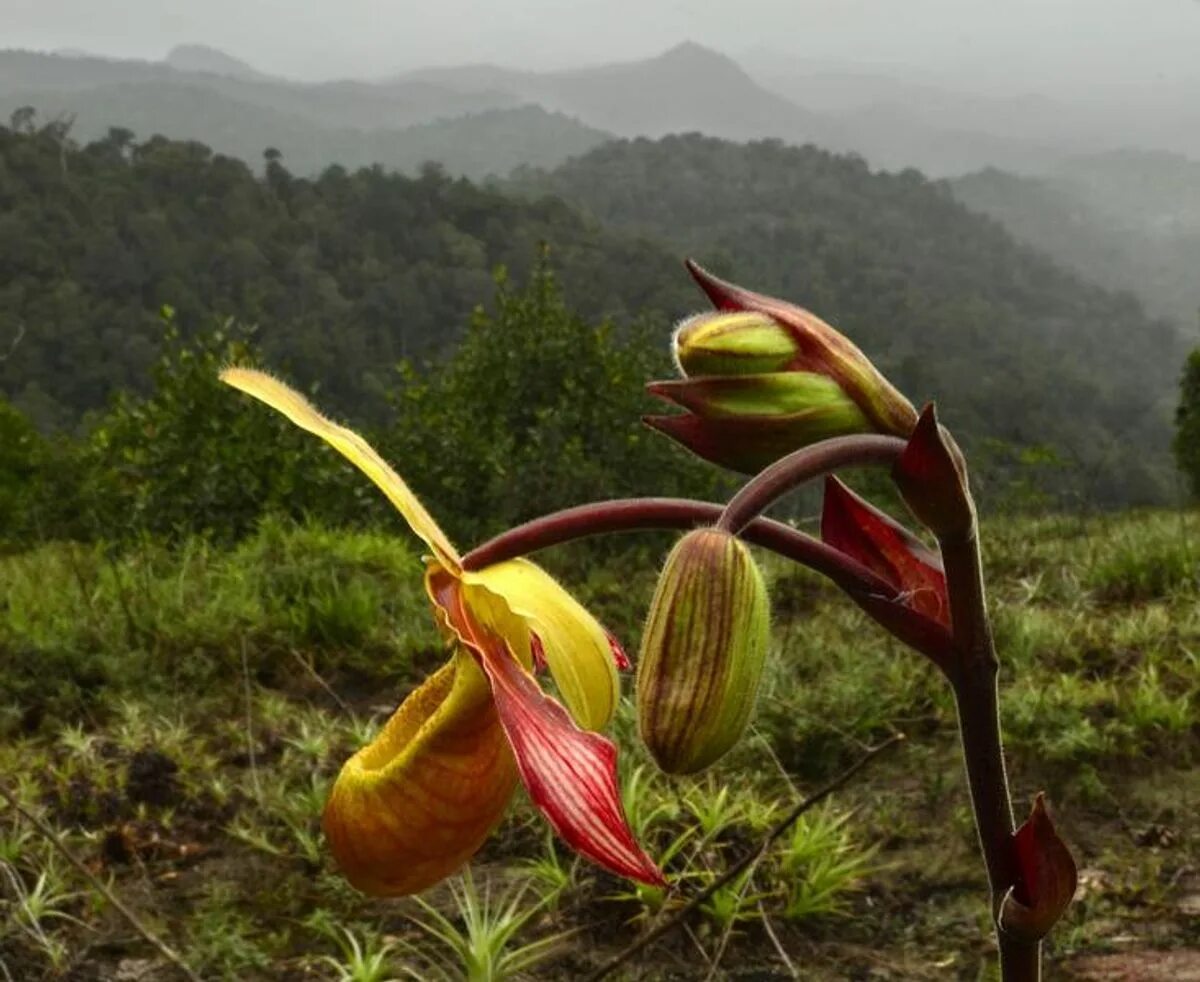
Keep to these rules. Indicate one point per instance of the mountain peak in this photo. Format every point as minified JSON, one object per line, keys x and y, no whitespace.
{"x":695,"y":55}
{"x":213,"y":61}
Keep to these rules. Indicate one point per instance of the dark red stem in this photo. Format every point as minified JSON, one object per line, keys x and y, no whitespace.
{"x":787,"y":473}
{"x":642,"y":514}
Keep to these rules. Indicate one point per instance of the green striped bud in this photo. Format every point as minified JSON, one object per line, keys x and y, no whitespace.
{"x":703,"y":650}
{"x":742,"y":342}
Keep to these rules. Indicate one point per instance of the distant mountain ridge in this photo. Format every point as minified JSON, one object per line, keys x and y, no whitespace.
{"x":400,"y":125}
{"x":1129,"y":219}
{"x":894,"y":122}
{"x":686,"y":88}
{"x":202,"y":58}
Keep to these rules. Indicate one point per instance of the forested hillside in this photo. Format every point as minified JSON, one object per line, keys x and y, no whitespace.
{"x":347,"y":273}
{"x":1130,"y":220}
{"x":344,"y":274}
{"x":476,"y":144}
{"x":1011,"y":346}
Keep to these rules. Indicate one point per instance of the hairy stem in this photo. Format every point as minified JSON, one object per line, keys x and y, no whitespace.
{"x":788,"y":473}
{"x":976,"y":696}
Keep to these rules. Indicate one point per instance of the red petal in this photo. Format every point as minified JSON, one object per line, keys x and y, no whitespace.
{"x":863,"y":532}
{"x":620,"y":659}
{"x":538,"y":652}
{"x":571,"y":774}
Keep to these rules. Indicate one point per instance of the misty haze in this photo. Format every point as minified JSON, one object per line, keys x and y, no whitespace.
{"x":460,"y":228}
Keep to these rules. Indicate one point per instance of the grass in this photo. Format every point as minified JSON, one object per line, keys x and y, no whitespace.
{"x":178,"y":716}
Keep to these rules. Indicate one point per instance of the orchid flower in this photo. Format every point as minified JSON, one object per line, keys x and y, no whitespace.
{"x":415,"y":804}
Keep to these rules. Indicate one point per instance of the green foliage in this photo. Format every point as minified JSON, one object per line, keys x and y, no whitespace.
{"x":1187,"y":423}
{"x":22,"y":452}
{"x":82,"y":625}
{"x":346,"y":273}
{"x":483,"y":948}
{"x":1156,"y":561}
{"x":822,"y":864}
{"x":195,"y":657}
{"x":535,"y":410}
{"x":194,"y":458}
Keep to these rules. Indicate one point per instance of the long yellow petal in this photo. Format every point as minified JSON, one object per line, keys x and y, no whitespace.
{"x":577,"y":649}
{"x":417,"y":802}
{"x":350,"y":445}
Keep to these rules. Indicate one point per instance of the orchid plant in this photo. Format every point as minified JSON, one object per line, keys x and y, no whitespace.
{"x":766,"y":388}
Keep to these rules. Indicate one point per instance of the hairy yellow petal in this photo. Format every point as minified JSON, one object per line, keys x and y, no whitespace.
{"x":417,"y":802}
{"x":350,"y":445}
{"x":577,"y":649}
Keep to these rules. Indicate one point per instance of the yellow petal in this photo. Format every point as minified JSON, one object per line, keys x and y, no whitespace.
{"x":576,"y":647}
{"x":350,"y":445}
{"x":416,"y":803}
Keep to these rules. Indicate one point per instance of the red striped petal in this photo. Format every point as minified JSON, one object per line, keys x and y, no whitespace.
{"x":571,"y":774}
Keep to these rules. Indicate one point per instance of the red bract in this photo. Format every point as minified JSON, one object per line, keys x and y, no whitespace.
{"x":860,"y":530}
{"x":932,"y":477}
{"x":919,"y":609}
{"x":1046,"y":877}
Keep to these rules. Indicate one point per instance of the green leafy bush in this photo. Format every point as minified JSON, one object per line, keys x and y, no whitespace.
{"x":536,"y":410}
{"x":193,"y":458}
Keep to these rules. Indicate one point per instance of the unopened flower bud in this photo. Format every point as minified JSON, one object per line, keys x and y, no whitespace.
{"x":764,"y":377}
{"x":703,"y":650}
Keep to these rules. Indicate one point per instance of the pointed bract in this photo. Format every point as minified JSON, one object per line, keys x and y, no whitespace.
{"x":750,"y":443}
{"x":1046,"y":879}
{"x":932,"y":477}
{"x":918,"y":610}
{"x":860,"y":530}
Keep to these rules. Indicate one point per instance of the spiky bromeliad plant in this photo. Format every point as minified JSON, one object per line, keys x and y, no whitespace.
{"x":769,"y":389}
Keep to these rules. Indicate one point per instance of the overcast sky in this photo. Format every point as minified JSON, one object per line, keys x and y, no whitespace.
{"x":1010,"y":45}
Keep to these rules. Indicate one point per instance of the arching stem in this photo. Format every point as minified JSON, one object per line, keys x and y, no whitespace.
{"x":877,"y":598}
{"x":644,"y":514}
{"x":788,"y":473}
